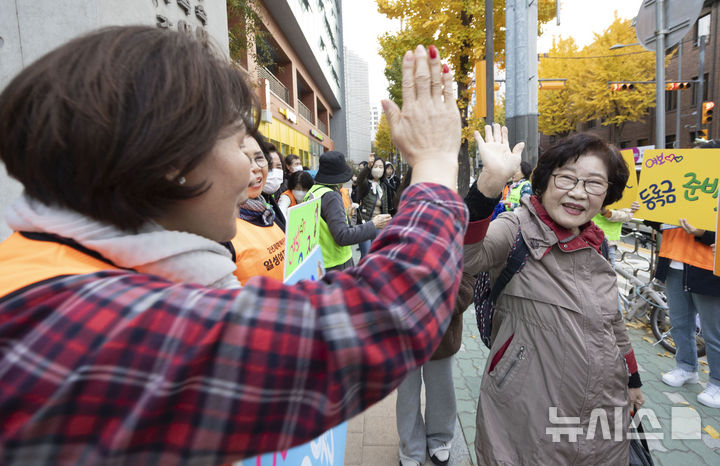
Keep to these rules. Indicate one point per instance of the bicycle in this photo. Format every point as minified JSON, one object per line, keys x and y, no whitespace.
{"x":648,"y":300}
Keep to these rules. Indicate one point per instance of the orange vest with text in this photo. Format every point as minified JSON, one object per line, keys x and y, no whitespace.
{"x":258,"y":251}
{"x":25,"y":261}
{"x":678,"y":245}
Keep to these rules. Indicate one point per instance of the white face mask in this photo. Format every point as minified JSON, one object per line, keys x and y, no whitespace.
{"x":297,"y":168}
{"x":273,"y":181}
{"x":298,"y":195}
{"x":377,"y":173}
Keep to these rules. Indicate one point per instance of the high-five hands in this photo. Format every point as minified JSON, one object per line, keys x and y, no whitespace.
{"x":427,"y":129}
{"x":499,"y":162}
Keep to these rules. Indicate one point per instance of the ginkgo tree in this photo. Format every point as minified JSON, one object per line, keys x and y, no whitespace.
{"x":457,"y":29}
{"x":587,"y":95}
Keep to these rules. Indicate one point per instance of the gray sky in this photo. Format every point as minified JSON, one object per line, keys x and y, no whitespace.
{"x":580,"y":19}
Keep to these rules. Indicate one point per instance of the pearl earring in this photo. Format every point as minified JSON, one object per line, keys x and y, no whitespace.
{"x":181,"y":180}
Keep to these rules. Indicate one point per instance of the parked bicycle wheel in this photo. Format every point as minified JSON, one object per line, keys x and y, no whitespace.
{"x":660,"y":324}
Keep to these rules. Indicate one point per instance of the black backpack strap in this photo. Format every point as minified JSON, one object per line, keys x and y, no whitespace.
{"x":515,"y":262}
{"x":605,"y":249}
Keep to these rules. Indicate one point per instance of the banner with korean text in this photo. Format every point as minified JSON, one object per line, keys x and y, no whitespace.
{"x":680,"y":183}
{"x":302,"y":233}
{"x":630,"y":194}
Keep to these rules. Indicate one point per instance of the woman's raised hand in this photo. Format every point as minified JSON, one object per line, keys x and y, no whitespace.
{"x":427,"y":129}
{"x":499,"y":162}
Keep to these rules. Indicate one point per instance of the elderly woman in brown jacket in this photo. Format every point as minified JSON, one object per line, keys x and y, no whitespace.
{"x":561,"y":366}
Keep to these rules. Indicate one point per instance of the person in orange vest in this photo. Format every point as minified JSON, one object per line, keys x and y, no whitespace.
{"x":126,"y":338}
{"x":692,"y":289}
{"x":299,"y":184}
{"x":258,"y":247}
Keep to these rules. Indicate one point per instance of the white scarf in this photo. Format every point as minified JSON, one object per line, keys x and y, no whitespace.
{"x":174,"y":255}
{"x":376,"y":189}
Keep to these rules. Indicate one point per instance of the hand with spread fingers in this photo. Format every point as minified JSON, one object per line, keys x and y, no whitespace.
{"x":499,"y":162}
{"x":685,"y":225}
{"x":427,"y":129}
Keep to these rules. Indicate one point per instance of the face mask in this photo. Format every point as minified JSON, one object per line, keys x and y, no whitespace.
{"x":377,"y":173}
{"x":298,"y":195}
{"x":273,"y":181}
{"x":297,"y":168}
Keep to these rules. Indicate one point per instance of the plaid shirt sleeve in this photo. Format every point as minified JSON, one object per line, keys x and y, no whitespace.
{"x":124,"y":368}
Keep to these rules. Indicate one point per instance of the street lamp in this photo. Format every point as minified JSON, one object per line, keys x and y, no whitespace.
{"x":620,"y":46}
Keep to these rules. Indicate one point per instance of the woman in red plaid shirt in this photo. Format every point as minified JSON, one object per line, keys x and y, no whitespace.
{"x":124,"y":336}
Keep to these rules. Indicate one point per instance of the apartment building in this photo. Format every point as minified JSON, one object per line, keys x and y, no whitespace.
{"x":302,"y":91}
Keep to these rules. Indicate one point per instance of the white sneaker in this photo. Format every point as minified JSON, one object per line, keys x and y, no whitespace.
{"x":441,"y":454}
{"x":408,"y":462}
{"x":710,"y":396}
{"x":679,"y":377}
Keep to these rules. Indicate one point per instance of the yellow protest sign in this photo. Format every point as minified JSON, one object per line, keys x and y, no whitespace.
{"x":630,"y":193}
{"x":680,"y":183}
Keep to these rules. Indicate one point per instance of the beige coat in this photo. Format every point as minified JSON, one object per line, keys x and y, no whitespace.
{"x":567,"y":352}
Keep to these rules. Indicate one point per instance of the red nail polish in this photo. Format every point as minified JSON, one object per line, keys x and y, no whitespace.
{"x":433,"y":52}
{"x":446,"y":69}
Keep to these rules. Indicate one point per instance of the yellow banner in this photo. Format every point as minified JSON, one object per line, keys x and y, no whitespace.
{"x":680,"y":183}
{"x":630,"y":193}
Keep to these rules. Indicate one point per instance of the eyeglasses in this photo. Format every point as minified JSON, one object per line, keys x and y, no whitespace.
{"x":259,"y":160}
{"x":591,"y":186}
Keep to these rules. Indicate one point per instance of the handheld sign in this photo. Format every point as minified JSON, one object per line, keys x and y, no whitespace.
{"x":302,"y":234}
{"x":680,"y":183}
{"x":630,"y":194}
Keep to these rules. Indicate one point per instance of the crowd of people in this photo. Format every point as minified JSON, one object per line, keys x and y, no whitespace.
{"x":143,"y":314}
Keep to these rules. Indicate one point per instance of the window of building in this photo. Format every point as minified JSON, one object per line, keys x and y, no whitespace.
{"x":643,"y":142}
{"x":669,"y":140}
{"x":670,"y":100}
{"x":702,"y":28}
{"x":624,"y":144}
{"x":695,"y":87}
{"x":590,"y":124}
{"x":553,"y":139}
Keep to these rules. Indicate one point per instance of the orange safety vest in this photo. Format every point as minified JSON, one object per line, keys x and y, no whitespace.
{"x":26,"y":261}
{"x":678,"y":245}
{"x":258,"y":251}
{"x":289,"y":194}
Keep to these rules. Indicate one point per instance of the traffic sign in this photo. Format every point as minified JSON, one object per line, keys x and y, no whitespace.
{"x":680,"y":16}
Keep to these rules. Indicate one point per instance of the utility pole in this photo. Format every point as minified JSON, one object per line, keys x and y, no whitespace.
{"x":521,"y":98}
{"x":660,"y":75}
{"x":701,"y":82}
{"x":489,"y":64}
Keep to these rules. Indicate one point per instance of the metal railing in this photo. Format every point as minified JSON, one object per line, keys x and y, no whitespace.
{"x":323,"y":127}
{"x":276,"y":86}
{"x":305,"y":112}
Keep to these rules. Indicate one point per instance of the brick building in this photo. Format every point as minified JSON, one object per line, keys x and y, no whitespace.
{"x":642,"y":133}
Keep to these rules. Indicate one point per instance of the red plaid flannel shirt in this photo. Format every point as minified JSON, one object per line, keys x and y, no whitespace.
{"x":126,"y":368}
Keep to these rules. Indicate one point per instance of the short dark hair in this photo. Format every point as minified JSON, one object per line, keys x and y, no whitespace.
{"x":571,"y":148}
{"x":290,"y":158}
{"x":98,"y":124}
{"x":301,"y":178}
{"x":526,"y":169}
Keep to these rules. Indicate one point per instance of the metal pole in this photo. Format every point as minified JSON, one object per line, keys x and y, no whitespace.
{"x":678,"y":109}
{"x":489,"y":64}
{"x":701,"y":83}
{"x":660,"y":74}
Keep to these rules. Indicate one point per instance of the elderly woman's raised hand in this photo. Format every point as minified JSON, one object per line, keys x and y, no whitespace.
{"x":499,"y":162}
{"x":427,"y":129}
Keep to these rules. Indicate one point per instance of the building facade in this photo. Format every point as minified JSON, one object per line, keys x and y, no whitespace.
{"x":302,"y":92}
{"x":375,"y":113}
{"x":357,"y":106}
{"x":687,"y":102}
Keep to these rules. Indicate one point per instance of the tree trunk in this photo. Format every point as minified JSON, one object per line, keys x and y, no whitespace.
{"x":463,"y":156}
